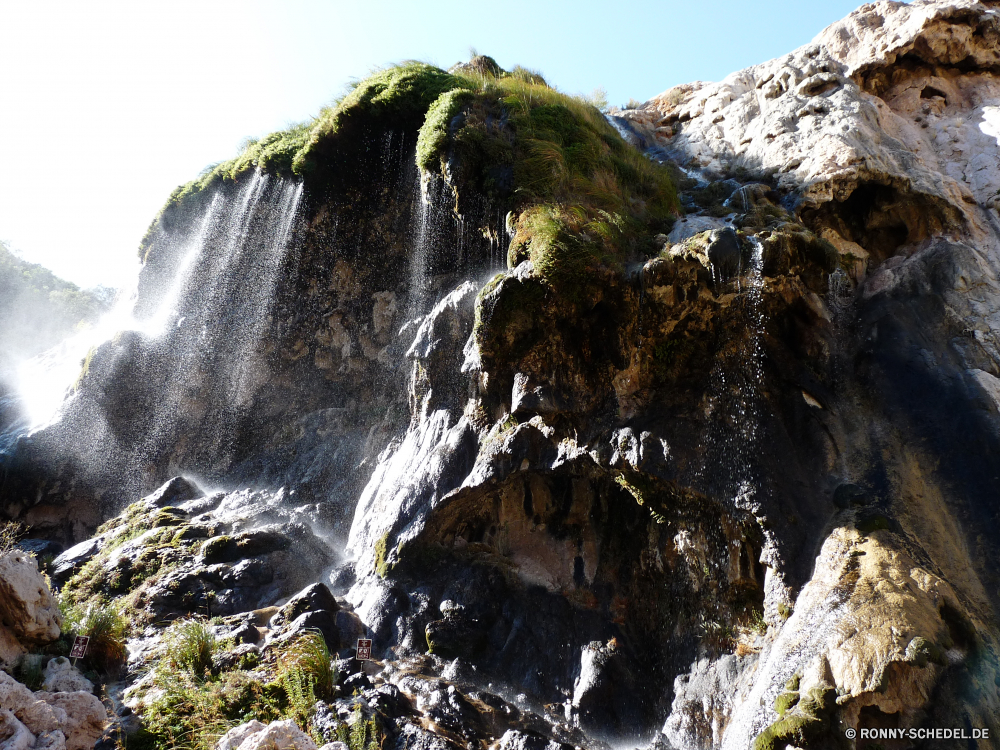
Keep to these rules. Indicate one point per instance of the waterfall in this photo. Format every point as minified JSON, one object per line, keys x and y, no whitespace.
{"x":42,"y":382}
{"x":736,"y":396}
{"x":192,"y":334}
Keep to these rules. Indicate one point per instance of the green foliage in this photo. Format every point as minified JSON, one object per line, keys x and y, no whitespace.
{"x":784,"y":610}
{"x":785,"y":701}
{"x":195,"y":705}
{"x":188,"y":646}
{"x":382,"y":566}
{"x":433,"y":137}
{"x":160,"y":540}
{"x":363,"y":734}
{"x":300,"y":687}
{"x":39,"y":309}
{"x":648,"y":493}
{"x":802,"y":722}
{"x":403,"y":92}
{"x":585,"y":197}
{"x":756,"y":621}
{"x":192,"y":713}
{"x":107,"y":629}
{"x":309,"y":658}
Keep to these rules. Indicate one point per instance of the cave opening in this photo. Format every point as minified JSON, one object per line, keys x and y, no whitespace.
{"x":929,"y":92}
{"x":879,"y":218}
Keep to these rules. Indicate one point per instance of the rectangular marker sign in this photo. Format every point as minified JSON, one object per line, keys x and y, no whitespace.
{"x":79,"y":647}
{"x":364,"y":649}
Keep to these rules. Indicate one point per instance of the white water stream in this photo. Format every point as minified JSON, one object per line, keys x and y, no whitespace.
{"x":215,"y":266}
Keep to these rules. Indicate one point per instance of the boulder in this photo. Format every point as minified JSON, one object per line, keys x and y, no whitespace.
{"x":315,"y":608}
{"x":62,"y":677}
{"x":245,"y":633}
{"x":688,"y":226}
{"x":314,"y":598}
{"x":15,"y":735}
{"x":85,"y":717}
{"x":232,"y":739}
{"x":174,"y":492}
{"x":28,"y":610}
{"x":515,"y":740}
{"x":40,"y":548}
{"x":59,"y":721}
{"x":724,"y":251}
{"x":278,"y":735}
{"x":606,"y":694}
{"x":455,"y":635}
{"x":72,"y":560}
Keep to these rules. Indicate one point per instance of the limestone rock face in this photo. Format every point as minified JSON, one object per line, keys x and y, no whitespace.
{"x":278,"y":735}
{"x":62,"y":677}
{"x":732,"y":488}
{"x":895,"y":100}
{"x":57,"y":721}
{"x":28,"y":612}
{"x":882,"y":137}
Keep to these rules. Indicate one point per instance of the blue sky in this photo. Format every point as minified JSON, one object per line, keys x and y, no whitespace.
{"x":107,"y":106}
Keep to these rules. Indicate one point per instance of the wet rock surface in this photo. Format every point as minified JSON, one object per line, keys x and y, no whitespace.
{"x":728,"y":492}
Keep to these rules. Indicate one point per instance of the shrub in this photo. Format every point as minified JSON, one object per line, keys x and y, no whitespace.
{"x":10,"y":534}
{"x":363,"y":734}
{"x":309,"y":655}
{"x":107,"y":629}
{"x":300,"y":688}
{"x":188,"y":647}
{"x":191,"y":714}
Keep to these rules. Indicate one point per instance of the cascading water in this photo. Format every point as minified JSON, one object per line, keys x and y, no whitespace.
{"x":187,"y":342}
{"x":736,"y":397}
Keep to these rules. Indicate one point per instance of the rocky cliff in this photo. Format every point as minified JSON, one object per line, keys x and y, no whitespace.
{"x":696,"y":448}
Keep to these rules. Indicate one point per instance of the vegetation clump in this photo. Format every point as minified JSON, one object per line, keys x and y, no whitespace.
{"x":194,"y":701}
{"x":803,"y":719}
{"x":309,"y":656}
{"x":589,"y":196}
{"x":584,"y":196}
{"x":188,"y":646}
{"x":382,"y":564}
{"x":920,"y":652}
{"x":10,"y":533}
{"x":106,"y":626}
{"x":138,"y":547}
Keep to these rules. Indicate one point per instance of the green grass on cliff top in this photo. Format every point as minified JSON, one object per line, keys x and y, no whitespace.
{"x":552,"y":158}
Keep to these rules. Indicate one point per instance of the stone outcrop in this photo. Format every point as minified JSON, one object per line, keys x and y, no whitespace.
{"x":220,"y":554}
{"x":29,"y":614}
{"x":728,"y":487}
{"x":893,"y":108}
{"x":53,"y":721}
{"x":881,"y":134}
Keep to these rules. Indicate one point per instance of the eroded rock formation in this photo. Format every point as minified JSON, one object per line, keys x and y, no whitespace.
{"x":722,"y":484}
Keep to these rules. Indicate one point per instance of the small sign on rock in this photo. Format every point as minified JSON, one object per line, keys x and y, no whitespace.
{"x":364,"y":649}
{"x":79,"y":647}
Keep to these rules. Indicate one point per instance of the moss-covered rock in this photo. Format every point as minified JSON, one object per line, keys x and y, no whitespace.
{"x":803,"y":721}
{"x":920,"y":652}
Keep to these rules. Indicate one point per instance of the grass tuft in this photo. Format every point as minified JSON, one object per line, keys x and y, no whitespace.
{"x":10,"y":534}
{"x":309,"y":657}
{"x":107,"y":629}
{"x":189,"y":646}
